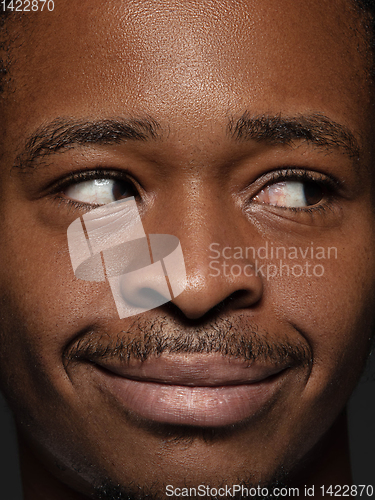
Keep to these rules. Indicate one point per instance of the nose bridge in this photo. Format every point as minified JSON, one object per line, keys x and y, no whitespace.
{"x":204,"y":214}
{"x":210,"y":226}
{"x":207,"y":225}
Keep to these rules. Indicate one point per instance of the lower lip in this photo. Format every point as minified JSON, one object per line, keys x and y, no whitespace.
{"x":192,"y":406}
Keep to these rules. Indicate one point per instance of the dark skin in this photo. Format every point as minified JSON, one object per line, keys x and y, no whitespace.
{"x":194,"y":69}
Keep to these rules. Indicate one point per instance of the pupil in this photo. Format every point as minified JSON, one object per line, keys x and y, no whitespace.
{"x":120,"y":190}
{"x":313,"y":193}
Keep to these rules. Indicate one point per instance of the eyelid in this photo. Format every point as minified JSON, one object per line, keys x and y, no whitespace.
{"x":333,"y":186}
{"x":74,"y":178}
{"x":299,"y":174}
{"x":67,"y":180}
{"x":87,"y":175}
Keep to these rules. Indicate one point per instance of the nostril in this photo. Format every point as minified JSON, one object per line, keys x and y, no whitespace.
{"x":213,"y":297}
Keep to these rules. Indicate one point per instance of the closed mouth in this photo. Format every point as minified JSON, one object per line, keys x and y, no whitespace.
{"x":198,"y":390}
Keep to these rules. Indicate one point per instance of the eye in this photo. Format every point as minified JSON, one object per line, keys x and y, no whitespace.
{"x":292,"y":194}
{"x":99,"y":191}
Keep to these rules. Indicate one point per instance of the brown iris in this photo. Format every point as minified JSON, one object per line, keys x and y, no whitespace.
{"x":314,"y":192}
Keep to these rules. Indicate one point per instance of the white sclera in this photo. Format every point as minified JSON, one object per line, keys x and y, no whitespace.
{"x":94,"y":191}
{"x":288,"y":194}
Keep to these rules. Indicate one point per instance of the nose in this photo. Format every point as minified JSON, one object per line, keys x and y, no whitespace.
{"x":202,"y":269}
{"x":215,"y":280}
{"x":205,"y":266}
{"x":221,"y":268}
{"x":195,"y":285}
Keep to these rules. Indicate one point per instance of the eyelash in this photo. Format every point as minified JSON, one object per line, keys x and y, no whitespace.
{"x":330,"y":184}
{"x":77,"y":177}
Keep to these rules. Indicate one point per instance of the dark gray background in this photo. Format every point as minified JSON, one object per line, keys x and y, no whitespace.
{"x":362,"y":439}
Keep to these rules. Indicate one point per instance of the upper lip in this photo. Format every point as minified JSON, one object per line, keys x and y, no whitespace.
{"x":205,"y":370}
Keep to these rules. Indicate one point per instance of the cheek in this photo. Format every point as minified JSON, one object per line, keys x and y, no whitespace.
{"x":42,"y":308}
{"x":38,"y":283}
{"x":335,"y":313}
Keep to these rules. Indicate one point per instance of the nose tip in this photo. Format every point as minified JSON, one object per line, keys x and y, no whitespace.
{"x":205,"y":293}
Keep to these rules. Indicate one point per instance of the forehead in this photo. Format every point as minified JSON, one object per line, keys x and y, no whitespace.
{"x":188,"y":64}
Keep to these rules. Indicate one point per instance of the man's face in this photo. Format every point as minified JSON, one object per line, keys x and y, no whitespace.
{"x":245,"y":372}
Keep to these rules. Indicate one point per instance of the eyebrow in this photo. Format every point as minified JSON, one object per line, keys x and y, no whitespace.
{"x":315,"y":128}
{"x":65,"y":133}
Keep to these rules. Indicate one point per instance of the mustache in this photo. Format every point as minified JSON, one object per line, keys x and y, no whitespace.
{"x":235,"y":337}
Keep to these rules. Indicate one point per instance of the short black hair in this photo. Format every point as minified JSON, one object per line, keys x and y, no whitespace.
{"x":367,"y":9}
{"x":5,"y":43}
